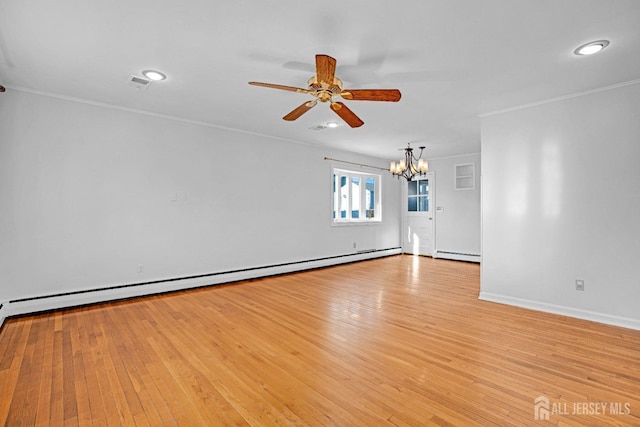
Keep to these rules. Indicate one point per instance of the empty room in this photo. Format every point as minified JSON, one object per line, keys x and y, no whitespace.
{"x":363,"y":213}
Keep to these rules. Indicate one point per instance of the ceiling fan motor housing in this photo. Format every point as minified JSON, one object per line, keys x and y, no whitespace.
{"x":324,"y":91}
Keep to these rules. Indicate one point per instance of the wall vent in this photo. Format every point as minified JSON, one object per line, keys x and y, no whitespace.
{"x":139,"y":82}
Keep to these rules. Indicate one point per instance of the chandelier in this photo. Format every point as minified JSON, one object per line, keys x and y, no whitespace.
{"x":411,"y":165}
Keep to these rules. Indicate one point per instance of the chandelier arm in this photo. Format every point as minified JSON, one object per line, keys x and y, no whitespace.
{"x":411,"y":165}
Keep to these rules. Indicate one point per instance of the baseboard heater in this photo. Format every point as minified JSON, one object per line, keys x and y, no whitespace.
{"x":38,"y":303}
{"x":459,"y":256}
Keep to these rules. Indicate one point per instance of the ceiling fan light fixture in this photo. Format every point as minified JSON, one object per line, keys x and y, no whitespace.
{"x":154,"y":75}
{"x":332,"y":124}
{"x":591,"y":47}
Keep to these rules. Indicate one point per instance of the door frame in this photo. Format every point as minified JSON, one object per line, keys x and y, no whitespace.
{"x":432,"y":211}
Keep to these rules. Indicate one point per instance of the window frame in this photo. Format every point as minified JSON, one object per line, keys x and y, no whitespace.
{"x":418,"y":197}
{"x":336,"y":173}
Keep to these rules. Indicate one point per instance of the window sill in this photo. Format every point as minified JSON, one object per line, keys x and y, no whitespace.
{"x":356,"y":223}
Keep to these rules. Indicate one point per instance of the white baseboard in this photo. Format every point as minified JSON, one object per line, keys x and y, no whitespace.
{"x":562,"y":310}
{"x":53,"y":302}
{"x":456,"y":256}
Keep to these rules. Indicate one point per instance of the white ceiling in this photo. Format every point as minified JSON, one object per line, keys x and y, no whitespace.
{"x":452,"y":60}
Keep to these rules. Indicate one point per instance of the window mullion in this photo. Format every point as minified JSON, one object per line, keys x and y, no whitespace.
{"x":352,"y":200}
{"x":363,"y":197}
{"x":350,"y":204}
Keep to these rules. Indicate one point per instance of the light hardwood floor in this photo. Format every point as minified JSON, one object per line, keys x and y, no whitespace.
{"x":401,"y":340}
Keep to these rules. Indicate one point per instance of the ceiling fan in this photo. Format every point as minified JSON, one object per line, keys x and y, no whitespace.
{"x":325,"y":85}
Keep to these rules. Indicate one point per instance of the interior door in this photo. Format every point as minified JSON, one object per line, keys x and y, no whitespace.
{"x":419,"y":224}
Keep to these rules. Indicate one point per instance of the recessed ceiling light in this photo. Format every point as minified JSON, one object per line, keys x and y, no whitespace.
{"x":591,"y":47}
{"x":154,"y":75}
{"x":332,"y":124}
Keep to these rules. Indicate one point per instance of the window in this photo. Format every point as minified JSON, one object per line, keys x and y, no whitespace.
{"x":356,"y":197}
{"x":418,"y":195}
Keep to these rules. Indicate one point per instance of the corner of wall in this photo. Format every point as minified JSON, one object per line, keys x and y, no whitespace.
{"x":3,"y":312}
{"x":577,"y":313}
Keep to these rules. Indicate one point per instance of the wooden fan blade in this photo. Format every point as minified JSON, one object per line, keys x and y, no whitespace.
{"x":390,"y":95}
{"x":346,"y":114}
{"x":282,"y":87}
{"x":325,"y":69}
{"x":300,"y":110}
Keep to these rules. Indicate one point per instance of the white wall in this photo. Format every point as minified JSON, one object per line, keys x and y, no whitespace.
{"x":561,"y":201}
{"x":457,"y":227}
{"x":90,"y":193}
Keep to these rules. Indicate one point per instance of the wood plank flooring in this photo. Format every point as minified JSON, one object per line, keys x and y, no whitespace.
{"x":398,"y":341}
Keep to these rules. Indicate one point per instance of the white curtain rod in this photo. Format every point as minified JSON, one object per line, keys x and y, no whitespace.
{"x":357,"y":164}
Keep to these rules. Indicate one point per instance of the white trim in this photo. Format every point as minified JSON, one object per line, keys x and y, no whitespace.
{"x":337,"y":172}
{"x":593,"y":316}
{"x":454,"y":156}
{"x":458,"y":256}
{"x":559,"y":98}
{"x":54,"y":302}
{"x":430,"y":214}
{"x":152,"y":114}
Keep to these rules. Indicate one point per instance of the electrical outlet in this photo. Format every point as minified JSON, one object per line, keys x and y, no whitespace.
{"x":354,"y":245}
{"x":579,"y":285}
{"x":140,"y":268}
